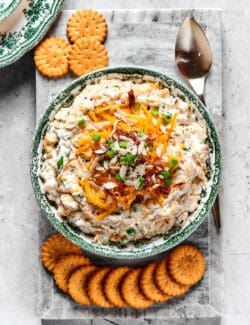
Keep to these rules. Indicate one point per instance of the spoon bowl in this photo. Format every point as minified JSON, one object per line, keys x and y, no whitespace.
{"x":193,"y":55}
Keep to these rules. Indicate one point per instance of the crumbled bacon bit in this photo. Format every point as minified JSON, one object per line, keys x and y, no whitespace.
{"x":131,"y":98}
{"x":165,"y":189}
{"x":139,"y":198}
{"x":149,"y":141}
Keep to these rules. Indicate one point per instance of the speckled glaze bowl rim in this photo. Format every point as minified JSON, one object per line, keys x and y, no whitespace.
{"x":7,"y":11}
{"x":146,"y":250}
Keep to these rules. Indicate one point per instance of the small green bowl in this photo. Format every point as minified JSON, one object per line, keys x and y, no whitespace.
{"x":140,"y":249}
{"x":7,"y":7}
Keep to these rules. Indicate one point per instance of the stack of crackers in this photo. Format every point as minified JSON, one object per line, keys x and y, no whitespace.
{"x":123,"y":286}
{"x":84,"y":52}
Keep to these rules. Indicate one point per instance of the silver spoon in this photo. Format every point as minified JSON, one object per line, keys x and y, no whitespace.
{"x":193,"y":57}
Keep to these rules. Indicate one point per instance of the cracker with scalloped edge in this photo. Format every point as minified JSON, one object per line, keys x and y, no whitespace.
{"x":96,"y":287}
{"x":78,"y":284}
{"x":187,"y":265}
{"x":86,"y":55}
{"x":112,"y":286}
{"x":148,"y":286}
{"x":131,"y":291}
{"x":56,"y":247}
{"x":65,"y":267}
{"x":86,"y":23}
{"x":51,"y":57}
{"x":165,"y":283}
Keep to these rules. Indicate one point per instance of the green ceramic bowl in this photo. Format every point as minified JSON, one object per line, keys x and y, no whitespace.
{"x":140,"y":249}
{"x":7,"y":7}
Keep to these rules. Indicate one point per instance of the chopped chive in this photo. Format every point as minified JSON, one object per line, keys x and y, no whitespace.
{"x":111,"y":153}
{"x":168,"y":181}
{"x":119,"y":178}
{"x":131,"y":231}
{"x":59,"y":163}
{"x":123,"y":144}
{"x":116,"y":86}
{"x":81,"y":122}
{"x":137,"y":106}
{"x":155,"y":111}
{"x":173,"y":162}
{"x":166,"y":173}
{"x":166,"y":117}
{"x":151,"y":148}
{"x":95,"y":137}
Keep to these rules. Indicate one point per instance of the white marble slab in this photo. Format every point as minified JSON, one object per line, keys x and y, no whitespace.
{"x":140,"y":37}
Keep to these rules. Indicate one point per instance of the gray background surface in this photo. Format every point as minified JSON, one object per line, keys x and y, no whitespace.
{"x":18,"y":208}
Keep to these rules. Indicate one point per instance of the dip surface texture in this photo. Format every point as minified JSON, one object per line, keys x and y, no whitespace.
{"x":126,"y":161}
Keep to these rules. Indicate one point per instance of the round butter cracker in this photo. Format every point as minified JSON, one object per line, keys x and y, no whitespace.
{"x":86,"y":55}
{"x":86,"y":23}
{"x":187,"y":265}
{"x":51,"y":57}
{"x":56,"y":247}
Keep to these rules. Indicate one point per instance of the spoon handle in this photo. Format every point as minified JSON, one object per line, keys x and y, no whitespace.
{"x":202,"y":98}
{"x":216,"y":213}
{"x":216,"y":206}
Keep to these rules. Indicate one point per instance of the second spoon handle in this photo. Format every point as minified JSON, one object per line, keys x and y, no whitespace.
{"x":216,"y":206}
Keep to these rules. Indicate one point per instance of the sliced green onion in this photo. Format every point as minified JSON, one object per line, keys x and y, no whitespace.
{"x":123,"y":160}
{"x":173,"y":162}
{"x":137,"y":106}
{"x":111,"y":153}
{"x":119,"y":178}
{"x":59,"y":163}
{"x":103,"y":162}
{"x":81,"y":122}
{"x":166,"y":117}
{"x":141,"y":183}
{"x":110,"y":143}
{"x":166,"y":173}
{"x":151,"y":148}
{"x":95,"y":137}
{"x":123,"y":144}
{"x":140,"y":133}
{"x":168,"y":181}
{"x":137,"y":158}
{"x":155,"y":111}
{"x":130,"y":158}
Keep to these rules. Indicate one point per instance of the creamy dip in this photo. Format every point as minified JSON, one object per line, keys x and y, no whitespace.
{"x":126,"y":161}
